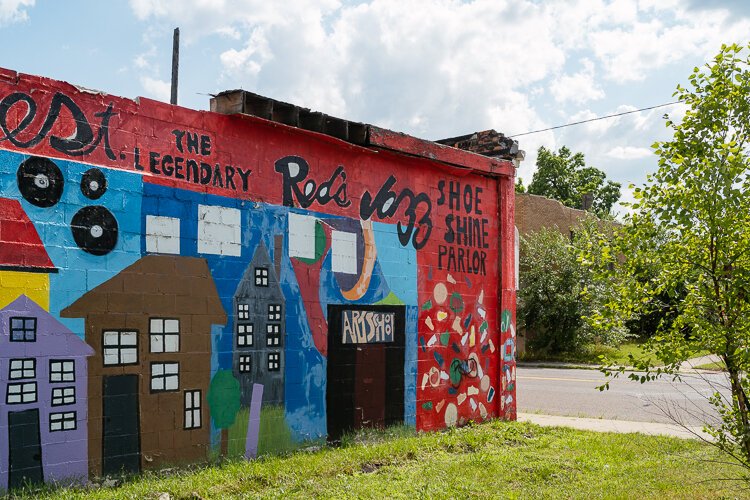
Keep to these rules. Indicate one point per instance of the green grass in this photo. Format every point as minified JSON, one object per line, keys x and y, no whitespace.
{"x":589,"y":355}
{"x":491,"y":460}
{"x":718,"y":366}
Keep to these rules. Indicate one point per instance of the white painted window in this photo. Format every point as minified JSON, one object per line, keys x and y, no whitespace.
{"x":261,"y":276}
{"x":245,"y":364}
{"x":219,"y":230}
{"x":273,"y":334}
{"x":243,"y":311}
{"x":344,"y":252}
{"x":62,"y":421}
{"x":21,"y":393}
{"x":162,"y":234}
{"x":301,"y":236}
{"x":63,"y":370}
{"x":120,"y":347}
{"x":165,"y":377}
{"x":63,"y":396}
{"x":274,"y":361}
{"x":164,"y":335}
{"x":244,"y":334}
{"x":22,"y":368}
{"x":192,"y":409}
{"x":274,"y":312}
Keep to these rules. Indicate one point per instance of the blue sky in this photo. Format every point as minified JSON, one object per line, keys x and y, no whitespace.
{"x":431,"y":68}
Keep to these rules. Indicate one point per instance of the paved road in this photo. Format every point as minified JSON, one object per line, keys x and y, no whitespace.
{"x":572,"y":392}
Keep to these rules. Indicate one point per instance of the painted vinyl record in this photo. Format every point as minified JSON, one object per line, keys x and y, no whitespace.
{"x":93,"y":184}
{"x":40,"y":181}
{"x":95,"y":230}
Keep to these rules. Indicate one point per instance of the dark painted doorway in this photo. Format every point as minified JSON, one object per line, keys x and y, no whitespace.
{"x":121,"y":440}
{"x":25,"y":448}
{"x":365,"y":376}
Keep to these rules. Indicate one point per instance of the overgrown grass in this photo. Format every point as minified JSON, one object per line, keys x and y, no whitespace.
{"x":495,"y":459}
{"x":717,"y":366}
{"x":590,"y":354}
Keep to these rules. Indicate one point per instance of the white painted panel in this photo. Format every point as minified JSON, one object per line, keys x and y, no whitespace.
{"x":301,"y":236}
{"x":219,"y":230}
{"x":344,"y":250}
{"x":162,"y":234}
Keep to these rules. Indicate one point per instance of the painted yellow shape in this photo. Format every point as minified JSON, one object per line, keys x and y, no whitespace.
{"x":441,"y":315}
{"x":35,"y":286}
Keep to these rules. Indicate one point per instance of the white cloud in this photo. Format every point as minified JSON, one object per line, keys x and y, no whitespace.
{"x":156,"y":89}
{"x":629,"y":153}
{"x":12,"y":11}
{"x":579,"y":88}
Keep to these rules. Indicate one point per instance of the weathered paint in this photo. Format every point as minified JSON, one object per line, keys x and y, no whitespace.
{"x":197,"y":256}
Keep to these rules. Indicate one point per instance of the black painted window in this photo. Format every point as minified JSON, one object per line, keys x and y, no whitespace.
{"x":62,"y":421}
{"x":21,"y":393}
{"x":22,"y":368}
{"x":62,"y":370}
{"x":261,"y":276}
{"x":245,"y":364}
{"x":273,"y":334}
{"x":164,"y":335}
{"x":22,"y":329}
{"x":244,"y":334}
{"x":243,"y":311}
{"x":165,"y":377}
{"x":63,"y":396}
{"x":274,"y":312}
{"x":192,"y":409}
{"x":274,"y":361}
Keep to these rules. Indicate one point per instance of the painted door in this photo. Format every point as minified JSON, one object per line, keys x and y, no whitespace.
{"x":121,"y":440}
{"x":25,"y":448}
{"x":365,"y":371}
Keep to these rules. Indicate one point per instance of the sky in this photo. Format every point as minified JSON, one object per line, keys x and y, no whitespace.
{"x":430,"y":68}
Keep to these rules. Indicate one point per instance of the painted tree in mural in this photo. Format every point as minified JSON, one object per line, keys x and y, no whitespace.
{"x":564,"y":176}
{"x":689,"y":233}
{"x":224,"y":402}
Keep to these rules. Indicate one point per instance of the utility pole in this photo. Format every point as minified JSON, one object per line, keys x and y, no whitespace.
{"x":175,"y":64}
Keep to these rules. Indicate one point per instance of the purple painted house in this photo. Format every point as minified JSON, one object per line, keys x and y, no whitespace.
{"x":43,"y":398}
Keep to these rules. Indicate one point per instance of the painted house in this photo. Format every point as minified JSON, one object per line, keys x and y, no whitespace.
{"x":150,"y":328}
{"x":24,"y":263}
{"x":43,"y":386}
{"x":259,"y":319}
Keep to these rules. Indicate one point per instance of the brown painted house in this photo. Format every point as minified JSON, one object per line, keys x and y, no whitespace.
{"x":150,"y":328}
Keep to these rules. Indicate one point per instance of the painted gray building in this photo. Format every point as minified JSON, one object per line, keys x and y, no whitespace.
{"x":259,"y":328}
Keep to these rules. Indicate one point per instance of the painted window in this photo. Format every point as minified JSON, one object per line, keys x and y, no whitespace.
{"x":274,"y":312}
{"x":63,"y":396}
{"x":243,"y":311}
{"x":192,"y":409}
{"x":164,"y":335}
{"x":22,"y":368}
{"x":62,"y":421}
{"x":22,"y":329}
{"x":120,"y":347}
{"x":244,"y":334}
{"x":165,"y":377}
{"x":273,"y":334}
{"x":21,"y":393}
{"x":244,"y":364}
{"x":261,"y":276}
{"x":62,"y":370}
{"x":274,"y":361}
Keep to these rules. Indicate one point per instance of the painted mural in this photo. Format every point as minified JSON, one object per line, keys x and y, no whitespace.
{"x":177,"y":286}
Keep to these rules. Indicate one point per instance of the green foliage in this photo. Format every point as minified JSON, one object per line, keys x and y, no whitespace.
{"x":557,"y":292}
{"x":519,"y":186}
{"x":688,"y":237}
{"x":224,"y":398}
{"x":564,"y":176}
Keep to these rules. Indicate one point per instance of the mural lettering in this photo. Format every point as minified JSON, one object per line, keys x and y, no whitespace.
{"x":81,"y":143}
{"x":466,"y":234}
{"x":366,"y":327}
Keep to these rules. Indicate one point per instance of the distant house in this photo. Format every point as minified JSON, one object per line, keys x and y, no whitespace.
{"x":43,"y":434}
{"x":150,"y":327}
{"x":259,"y":328}
{"x":24,"y":263}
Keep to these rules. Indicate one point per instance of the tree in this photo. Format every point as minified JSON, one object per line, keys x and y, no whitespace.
{"x":564,"y":176}
{"x":689,"y":235}
{"x":557,"y":292}
{"x":519,"y":186}
{"x":224,"y":402}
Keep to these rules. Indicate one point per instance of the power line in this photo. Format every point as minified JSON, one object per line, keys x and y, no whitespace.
{"x":595,"y":119}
